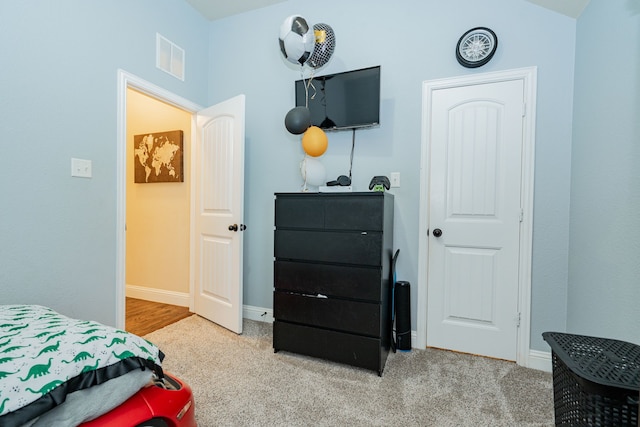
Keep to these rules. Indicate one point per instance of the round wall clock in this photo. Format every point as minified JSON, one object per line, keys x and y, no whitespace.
{"x":476,"y":47}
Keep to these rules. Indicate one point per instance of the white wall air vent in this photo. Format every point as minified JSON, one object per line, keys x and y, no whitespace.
{"x":169,"y":57}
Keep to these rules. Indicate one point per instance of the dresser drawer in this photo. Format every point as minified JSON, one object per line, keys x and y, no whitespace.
{"x":363,"y":212}
{"x":363,"y":248}
{"x":357,"y":213}
{"x":295,"y":211}
{"x":362,"y":283}
{"x":332,"y":313}
{"x":363,"y":352}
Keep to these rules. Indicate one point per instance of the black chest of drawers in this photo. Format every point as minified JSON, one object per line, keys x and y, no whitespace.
{"x":332,"y":287}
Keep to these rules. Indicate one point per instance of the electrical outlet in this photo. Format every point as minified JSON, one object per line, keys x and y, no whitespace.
{"x":395,"y":179}
{"x":81,"y":168}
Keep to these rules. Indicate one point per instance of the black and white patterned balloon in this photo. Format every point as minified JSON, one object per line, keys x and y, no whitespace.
{"x":324,"y":46}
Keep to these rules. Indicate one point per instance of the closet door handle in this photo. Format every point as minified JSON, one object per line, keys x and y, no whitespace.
{"x":437,"y":232}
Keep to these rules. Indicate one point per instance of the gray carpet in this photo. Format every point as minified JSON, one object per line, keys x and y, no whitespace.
{"x":238,"y":380}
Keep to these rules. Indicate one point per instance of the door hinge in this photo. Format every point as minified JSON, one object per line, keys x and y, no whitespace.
{"x":518,"y":320}
{"x":524,"y":109}
{"x":521,"y":217}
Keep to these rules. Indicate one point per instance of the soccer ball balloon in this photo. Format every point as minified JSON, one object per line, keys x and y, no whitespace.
{"x":296,"y":39}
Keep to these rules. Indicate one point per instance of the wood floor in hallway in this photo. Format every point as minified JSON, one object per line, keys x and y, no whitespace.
{"x":143,"y":317}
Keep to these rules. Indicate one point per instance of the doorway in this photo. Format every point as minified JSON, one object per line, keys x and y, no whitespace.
{"x":158,"y":213}
{"x":126,"y":82}
{"x":216,"y":184}
{"x":476,"y":208}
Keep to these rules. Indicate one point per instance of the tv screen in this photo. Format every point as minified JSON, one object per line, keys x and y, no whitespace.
{"x":345,"y":100}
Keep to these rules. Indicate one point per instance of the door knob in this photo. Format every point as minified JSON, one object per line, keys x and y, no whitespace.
{"x":233,"y":227}
{"x":437,"y":232}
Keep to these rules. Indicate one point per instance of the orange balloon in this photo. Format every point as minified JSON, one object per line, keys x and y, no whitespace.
{"x":314,"y":141}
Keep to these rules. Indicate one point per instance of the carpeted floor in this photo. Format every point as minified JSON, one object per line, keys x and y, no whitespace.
{"x":238,"y":380}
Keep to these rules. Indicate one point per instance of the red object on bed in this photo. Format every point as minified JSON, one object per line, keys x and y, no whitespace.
{"x":165,"y":404}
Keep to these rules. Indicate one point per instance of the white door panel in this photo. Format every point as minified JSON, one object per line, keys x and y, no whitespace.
{"x":219,"y":197}
{"x":215,"y":283}
{"x":475,"y":178}
{"x":470,"y":273}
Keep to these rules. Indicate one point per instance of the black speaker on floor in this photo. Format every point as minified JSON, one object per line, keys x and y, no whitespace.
{"x":402,"y":301}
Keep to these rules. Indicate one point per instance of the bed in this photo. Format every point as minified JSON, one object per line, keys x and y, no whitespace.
{"x":55,"y":370}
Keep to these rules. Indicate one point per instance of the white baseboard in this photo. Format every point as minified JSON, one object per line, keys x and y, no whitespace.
{"x":182,"y":299}
{"x":540,"y":360}
{"x":158,"y":295}
{"x":257,"y":313}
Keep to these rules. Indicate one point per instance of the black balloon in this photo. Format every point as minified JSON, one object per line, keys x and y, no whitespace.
{"x":298,"y":120}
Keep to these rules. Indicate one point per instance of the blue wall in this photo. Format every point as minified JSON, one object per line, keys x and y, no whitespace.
{"x":58,"y":100}
{"x":58,"y":90}
{"x":413,"y":41}
{"x":604,"y":279}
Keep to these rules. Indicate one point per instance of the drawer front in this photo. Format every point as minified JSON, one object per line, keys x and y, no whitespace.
{"x":339,"y":347}
{"x":331,"y":211}
{"x":334,"y":247}
{"x":343,"y":315}
{"x":354,"y":213}
{"x":299,"y":212}
{"x":329,"y":279}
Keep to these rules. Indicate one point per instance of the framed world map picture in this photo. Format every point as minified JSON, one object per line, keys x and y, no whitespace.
{"x":158,"y":157}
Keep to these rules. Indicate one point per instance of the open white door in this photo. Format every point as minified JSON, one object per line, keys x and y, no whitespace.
{"x":219,"y":211}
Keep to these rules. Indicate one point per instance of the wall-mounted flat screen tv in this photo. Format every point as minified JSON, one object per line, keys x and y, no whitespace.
{"x":345,"y":100}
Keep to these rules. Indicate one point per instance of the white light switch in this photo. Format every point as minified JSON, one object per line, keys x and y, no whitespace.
{"x":395,"y":179}
{"x":81,"y":168}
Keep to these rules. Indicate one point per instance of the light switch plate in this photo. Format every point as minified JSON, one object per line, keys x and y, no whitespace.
{"x":81,"y":168}
{"x":395,"y":179}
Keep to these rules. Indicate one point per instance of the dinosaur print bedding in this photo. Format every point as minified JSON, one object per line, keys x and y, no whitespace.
{"x":44,"y":356}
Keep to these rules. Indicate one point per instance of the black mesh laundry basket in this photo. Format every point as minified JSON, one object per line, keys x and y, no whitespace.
{"x":596,"y":381}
